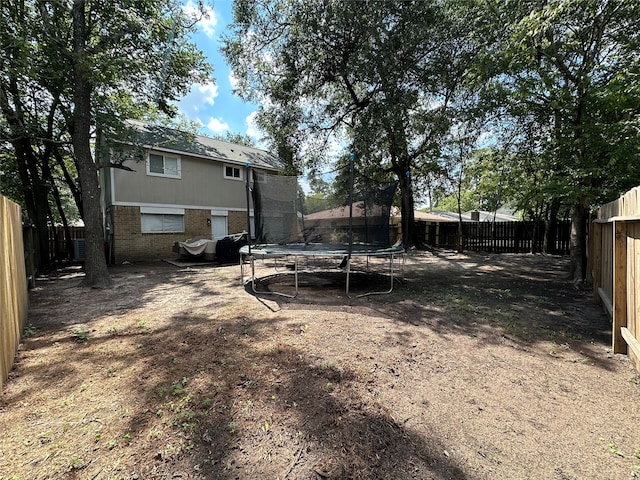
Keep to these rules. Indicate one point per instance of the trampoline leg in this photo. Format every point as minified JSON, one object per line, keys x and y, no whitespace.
{"x":258,"y":292}
{"x":391,"y":261}
{"x":348,"y":276}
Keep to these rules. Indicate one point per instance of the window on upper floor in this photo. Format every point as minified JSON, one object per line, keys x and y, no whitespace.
{"x":232,"y":172}
{"x":163,"y":165}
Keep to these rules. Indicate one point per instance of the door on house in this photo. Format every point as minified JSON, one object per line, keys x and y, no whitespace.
{"x":218,"y":227}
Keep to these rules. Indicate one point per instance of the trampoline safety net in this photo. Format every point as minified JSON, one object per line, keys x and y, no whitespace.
{"x":283,"y":214}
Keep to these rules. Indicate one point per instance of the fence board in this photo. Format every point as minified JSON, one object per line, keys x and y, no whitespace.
{"x":618,"y":253}
{"x":59,"y":248}
{"x":498,"y":237}
{"x":13,"y":284}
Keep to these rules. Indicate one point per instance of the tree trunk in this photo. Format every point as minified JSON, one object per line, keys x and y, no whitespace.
{"x":551,"y":228}
{"x":408,"y":219}
{"x":577,"y":242}
{"x":35,"y":190}
{"x":97,"y":273}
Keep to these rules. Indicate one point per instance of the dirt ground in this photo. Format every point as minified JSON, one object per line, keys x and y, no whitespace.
{"x":475,"y":367}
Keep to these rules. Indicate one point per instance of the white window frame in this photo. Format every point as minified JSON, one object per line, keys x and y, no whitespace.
{"x":164,"y":156}
{"x":240,"y":176}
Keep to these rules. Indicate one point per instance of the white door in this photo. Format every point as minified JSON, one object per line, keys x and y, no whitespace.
{"x":218,"y":227}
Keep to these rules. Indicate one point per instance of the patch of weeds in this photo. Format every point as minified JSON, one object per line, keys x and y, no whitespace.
{"x":232,"y":427}
{"x":179,"y":387}
{"x":613,"y":448}
{"x":249,"y":384}
{"x":329,"y":386}
{"x":227,"y":362}
{"x":127,"y":437}
{"x":29,"y":331}
{"x":111,"y":444}
{"x":74,"y":463}
{"x":114,"y":330}
{"x":635,"y":380}
{"x":206,"y":402}
{"x":81,"y":334}
{"x":142,"y":325}
{"x":246,"y":410}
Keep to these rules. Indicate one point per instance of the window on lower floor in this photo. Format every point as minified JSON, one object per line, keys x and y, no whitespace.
{"x":161,"y":223}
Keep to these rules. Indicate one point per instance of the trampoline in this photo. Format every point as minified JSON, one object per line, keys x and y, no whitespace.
{"x":298,"y":241}
{"x":295,"y":255}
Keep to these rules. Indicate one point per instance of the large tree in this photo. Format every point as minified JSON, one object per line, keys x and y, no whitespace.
{"x":88,"y":64}
{"x":569,"y":70}
{"x":378,"y":75}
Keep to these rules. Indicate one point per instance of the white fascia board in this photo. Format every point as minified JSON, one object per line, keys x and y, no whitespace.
{"x":183,"y":207}
{"x":163,"y":210}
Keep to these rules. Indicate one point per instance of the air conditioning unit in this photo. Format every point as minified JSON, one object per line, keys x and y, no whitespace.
{"x":78,"y":250}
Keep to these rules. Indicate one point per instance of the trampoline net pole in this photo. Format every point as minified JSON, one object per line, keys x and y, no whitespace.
{"x":247,"y":173}
{"x":351,"y":181}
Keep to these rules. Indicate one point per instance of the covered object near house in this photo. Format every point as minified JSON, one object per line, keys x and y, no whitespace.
{"x":169,"y":186}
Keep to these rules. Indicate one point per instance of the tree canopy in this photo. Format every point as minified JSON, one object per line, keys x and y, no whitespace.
{"x":71,"y":70}
{"x":549,"y":87}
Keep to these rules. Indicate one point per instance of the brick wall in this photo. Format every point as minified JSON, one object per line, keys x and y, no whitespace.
{"x":130,"y":244}
{"x":237,"y":222}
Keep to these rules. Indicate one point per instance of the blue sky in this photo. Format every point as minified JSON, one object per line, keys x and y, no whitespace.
{"x":214,"y":105}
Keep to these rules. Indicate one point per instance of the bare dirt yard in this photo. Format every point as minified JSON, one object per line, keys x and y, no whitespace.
{"x":475,"y":367}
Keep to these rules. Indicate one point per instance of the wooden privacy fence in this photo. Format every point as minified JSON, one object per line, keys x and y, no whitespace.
{"x":614,"y":255}
{"x":498,"y":237}
{"x":13,"y":284}
{"x":61,"y":248}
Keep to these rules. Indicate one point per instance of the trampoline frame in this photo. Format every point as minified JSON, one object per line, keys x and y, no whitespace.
{"x":299,"y":251}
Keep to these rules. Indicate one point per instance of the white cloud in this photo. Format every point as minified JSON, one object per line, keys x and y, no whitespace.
{"x":209,"y":92}
{"x":207,"y":20}
{"x":216,"y":125}
{"x":198,"y":97}
{"x":252,"y":129}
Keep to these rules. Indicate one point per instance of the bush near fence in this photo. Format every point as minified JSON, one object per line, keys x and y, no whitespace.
{"x":614,"y":263}
{"x":13,"y":284}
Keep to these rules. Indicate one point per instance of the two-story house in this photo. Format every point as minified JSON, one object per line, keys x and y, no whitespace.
{"x":172,"y":186}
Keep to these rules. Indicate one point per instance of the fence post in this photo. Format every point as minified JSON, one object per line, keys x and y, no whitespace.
{"x":619,"y":286}
{"x":596,"y":258}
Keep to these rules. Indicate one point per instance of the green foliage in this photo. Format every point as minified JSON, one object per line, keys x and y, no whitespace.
{"x":132,"y":61}
{"x":468,"y":201}
{"x":377,"y":76}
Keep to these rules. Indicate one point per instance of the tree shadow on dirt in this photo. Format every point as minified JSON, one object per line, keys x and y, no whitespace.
{"x":250,"y":412}
{"x":525,"y":299}
{"x":208,"y":399}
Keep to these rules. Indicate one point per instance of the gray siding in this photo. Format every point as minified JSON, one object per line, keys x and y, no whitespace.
{"x":202,"y":183}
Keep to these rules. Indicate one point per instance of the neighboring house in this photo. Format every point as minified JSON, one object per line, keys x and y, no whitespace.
{"x":332,"y":226}
{"x":172,"y":186}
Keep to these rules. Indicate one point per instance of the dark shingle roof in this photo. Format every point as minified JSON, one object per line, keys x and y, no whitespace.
{"x":167,"y":139}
